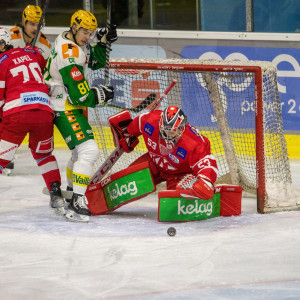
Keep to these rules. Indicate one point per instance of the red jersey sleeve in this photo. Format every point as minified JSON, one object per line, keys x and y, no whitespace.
{"x":136,"y":126}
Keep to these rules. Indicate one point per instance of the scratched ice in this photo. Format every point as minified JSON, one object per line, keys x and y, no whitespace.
{"x":128,"y":255}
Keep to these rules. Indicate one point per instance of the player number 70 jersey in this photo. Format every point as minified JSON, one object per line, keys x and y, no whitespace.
{"x":21,"y":81}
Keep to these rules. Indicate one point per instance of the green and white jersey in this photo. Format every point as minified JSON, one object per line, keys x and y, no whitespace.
{"x":65,"y":73}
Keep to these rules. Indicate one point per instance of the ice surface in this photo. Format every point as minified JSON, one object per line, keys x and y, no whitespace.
{"x":128,"y":255}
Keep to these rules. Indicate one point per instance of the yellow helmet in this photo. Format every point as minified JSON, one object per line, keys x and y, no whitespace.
{"x":31,"y":13}
{"x":84,"y":19}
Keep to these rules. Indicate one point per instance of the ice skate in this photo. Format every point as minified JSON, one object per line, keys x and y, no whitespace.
{"x":78,"y":211}
{"x":56,"y":200}
{"x":68,"y":200}
{"x":9,"y":168}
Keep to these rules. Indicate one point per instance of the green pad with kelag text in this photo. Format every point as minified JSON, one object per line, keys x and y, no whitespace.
{"x":175,"y":208}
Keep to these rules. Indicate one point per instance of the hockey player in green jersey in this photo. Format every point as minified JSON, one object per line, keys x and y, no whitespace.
{"x":70,"y":59}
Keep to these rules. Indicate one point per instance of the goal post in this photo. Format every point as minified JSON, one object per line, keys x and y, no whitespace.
{"x":235,"y":104}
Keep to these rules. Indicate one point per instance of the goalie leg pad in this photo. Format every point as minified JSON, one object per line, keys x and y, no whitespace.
{"x":231,"y":199}
{"x":153,"y":169}
{"x":173,"y":207}
{"x":120,"y":188}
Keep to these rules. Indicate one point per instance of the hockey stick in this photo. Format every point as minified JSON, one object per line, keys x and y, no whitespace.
{"x":112,"y":159}
{"x":116,"y":154}
{"x":40,"y":23}
{"x":147,"y":101}
{"x":99,"y":174}
{"x":164,"y":94}
{"x":108,"y":24}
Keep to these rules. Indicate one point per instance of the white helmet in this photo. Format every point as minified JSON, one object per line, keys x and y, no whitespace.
{"x":5,"y":36}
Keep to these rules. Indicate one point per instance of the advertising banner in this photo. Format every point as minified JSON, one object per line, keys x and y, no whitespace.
{"x":285,"y":59}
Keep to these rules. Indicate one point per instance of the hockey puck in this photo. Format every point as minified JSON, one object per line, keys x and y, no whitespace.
{"x":171,"y":231}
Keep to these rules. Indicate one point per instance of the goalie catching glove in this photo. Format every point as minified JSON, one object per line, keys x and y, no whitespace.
{"x":118,"y":125}
{"x":195,"y":186}
{"x":103,"y":36}
{"x":103,"y":93}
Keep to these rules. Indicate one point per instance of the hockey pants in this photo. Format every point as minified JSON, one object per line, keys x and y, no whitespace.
{"x":39,"y":125}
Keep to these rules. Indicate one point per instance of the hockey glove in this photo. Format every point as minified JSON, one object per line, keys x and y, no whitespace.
{"x":126,"y":141}
{"x":103,"y":36}
{"x":103,"y":93}
{"x":195,"y":186}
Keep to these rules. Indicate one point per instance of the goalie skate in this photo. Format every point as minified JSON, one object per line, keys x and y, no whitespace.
{"x":78,"y":211}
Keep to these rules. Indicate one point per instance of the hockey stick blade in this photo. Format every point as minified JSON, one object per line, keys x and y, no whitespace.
{"x":65,"y":194}
{"x":147,"y":101}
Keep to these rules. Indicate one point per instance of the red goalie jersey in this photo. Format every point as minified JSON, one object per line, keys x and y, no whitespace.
{"x":190,"y":154}
{"x":21,"y":83}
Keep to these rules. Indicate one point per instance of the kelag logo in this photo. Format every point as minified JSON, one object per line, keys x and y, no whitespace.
{"x":288,"y":76}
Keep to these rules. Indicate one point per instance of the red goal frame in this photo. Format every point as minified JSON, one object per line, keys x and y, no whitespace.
{"x":259,"y":118}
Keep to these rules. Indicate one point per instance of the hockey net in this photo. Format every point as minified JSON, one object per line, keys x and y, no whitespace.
{"x":235,"y":104}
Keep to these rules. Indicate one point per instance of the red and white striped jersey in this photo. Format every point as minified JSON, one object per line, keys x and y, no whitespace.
{"x":22,"y":86}
{"x":191,"y":154}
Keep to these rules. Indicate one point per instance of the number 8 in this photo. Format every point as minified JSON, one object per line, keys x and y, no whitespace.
{"x":83,"y":87}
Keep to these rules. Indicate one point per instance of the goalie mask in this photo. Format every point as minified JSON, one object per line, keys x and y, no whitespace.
{"x":172,"y":124}
{"x":5,"y":39}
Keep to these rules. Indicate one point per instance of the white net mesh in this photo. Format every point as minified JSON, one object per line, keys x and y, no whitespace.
{"x":220,"y":103}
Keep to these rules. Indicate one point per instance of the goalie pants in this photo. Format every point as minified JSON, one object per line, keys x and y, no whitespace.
{"x":39,"y":125}
{"x":170,"y":179}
